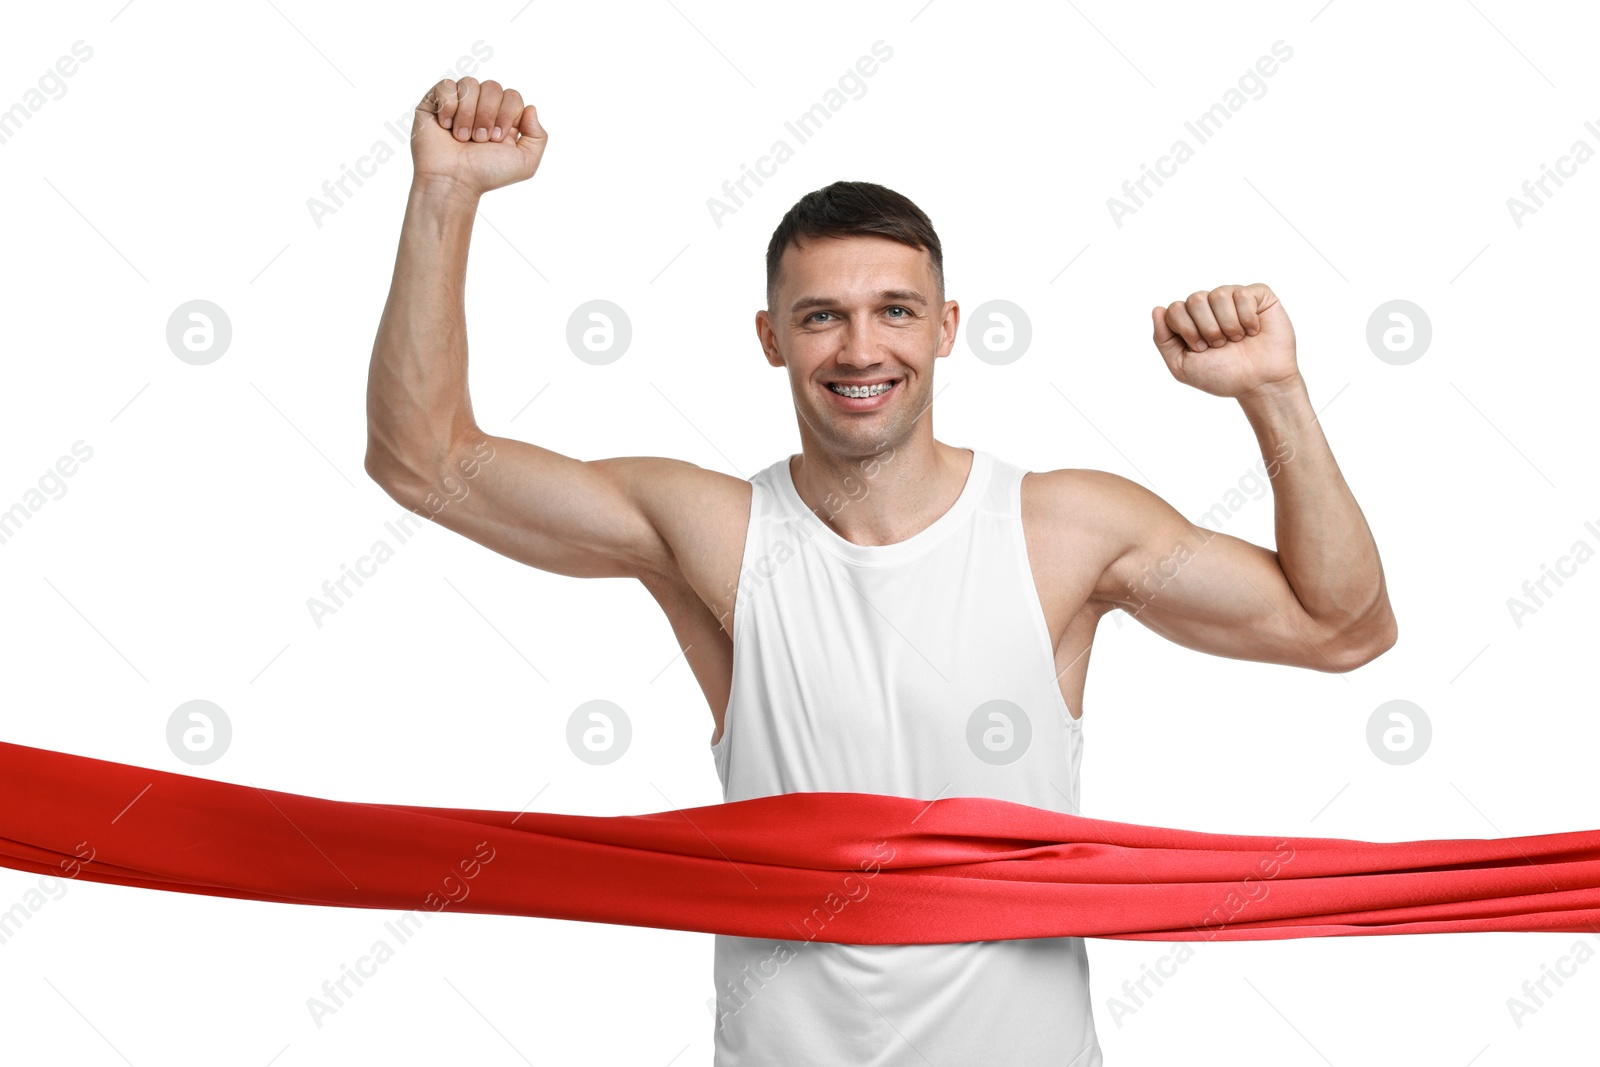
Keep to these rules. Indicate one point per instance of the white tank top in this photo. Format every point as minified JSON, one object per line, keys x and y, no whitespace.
{"x":925,"y":669}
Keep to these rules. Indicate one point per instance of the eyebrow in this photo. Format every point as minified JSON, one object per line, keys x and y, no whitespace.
{"x":906,"y":296}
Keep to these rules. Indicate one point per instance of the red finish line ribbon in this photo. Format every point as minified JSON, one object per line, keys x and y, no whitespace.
{"x":837,"y":867}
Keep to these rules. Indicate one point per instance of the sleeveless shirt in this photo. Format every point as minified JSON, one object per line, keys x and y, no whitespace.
{"x":922,"y":668}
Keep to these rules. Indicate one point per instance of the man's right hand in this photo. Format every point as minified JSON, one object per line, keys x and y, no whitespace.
{"x":474,"y":136}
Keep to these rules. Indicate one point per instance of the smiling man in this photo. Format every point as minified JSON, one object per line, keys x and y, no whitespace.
{"x":882,"y":612}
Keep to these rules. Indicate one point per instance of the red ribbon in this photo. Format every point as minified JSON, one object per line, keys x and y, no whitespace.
{"x":838,"y":867}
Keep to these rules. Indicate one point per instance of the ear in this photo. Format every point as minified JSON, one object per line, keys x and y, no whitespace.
{"x":768,"y":338}
{"x":949,"y":327}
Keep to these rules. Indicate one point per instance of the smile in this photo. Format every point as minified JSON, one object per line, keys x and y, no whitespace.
{"x":860,"y":390}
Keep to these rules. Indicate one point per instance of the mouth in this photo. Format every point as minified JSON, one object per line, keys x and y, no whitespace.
{"x":864,"y":395}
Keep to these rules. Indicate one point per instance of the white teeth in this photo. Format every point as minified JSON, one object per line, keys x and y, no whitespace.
{"x":861,"y":391}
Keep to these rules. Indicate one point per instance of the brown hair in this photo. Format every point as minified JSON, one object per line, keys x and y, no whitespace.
{"x":846,"y":208}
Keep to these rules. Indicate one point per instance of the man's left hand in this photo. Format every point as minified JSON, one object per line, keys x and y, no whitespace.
{"x":1232,"y":341}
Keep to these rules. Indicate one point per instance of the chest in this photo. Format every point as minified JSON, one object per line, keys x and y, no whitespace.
{"x":917,"y":643}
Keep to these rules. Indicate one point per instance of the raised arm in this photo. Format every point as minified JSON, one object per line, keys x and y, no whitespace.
{"x":601,"y":518}
{"x":1319,"y":600}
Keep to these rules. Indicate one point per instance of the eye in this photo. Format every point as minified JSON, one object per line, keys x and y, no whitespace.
{"x":897,"y":307}
{"x":814,"y":314}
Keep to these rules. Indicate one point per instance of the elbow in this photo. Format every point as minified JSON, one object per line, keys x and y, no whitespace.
{"x":1363,"y":646}
{"x":380,"y":468}
{"x":418,"y":478}
{"x":409,"y":465}
{"x":373,"y":466}
{"x":382,"y":461}
{"x":396,"y":477}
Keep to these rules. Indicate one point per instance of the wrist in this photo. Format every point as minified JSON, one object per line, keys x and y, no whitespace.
{"x":1275,"y":393}
{"x":443,"y":194}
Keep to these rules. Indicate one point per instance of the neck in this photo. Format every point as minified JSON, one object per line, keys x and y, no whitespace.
{"x":882,"y":497}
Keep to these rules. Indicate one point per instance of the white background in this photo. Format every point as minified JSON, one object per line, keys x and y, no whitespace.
{"x":177,"y":165}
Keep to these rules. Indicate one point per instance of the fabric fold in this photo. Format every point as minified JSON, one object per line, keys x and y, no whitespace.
{"x":852,"y":868}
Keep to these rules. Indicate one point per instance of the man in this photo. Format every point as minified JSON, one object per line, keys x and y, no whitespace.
{"x":883,"y":613}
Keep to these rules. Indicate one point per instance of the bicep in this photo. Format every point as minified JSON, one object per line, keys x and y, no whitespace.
{"x":1204,"y":589}
{"x":584,"y":519}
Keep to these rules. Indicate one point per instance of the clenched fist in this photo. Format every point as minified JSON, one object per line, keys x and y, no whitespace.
{"x":1227,"y":342}
{"x":475,"y":136}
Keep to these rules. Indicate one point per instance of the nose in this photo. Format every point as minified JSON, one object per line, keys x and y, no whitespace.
{"x":859,"y":346}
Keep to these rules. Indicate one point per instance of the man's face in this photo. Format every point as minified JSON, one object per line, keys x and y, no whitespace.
{"x":857,"y":311}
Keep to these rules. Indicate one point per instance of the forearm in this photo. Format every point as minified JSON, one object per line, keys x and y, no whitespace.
{"x":417,"y":402}
{"x":1324,"y":545}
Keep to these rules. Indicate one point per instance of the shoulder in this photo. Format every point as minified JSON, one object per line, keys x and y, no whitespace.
{"x":1081,"y":494}
{"x":1095,"y":518}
